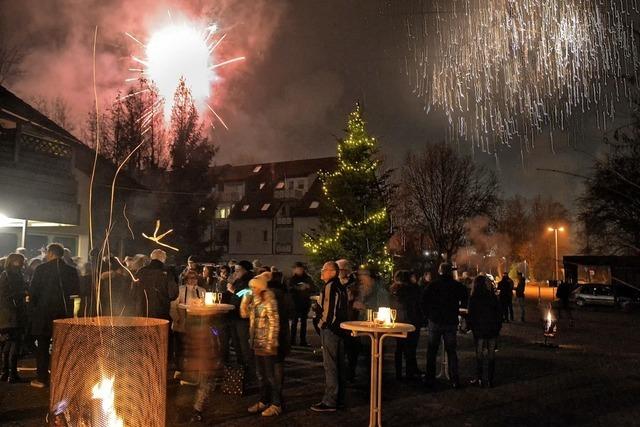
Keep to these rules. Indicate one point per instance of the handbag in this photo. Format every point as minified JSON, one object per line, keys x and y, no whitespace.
{"x":233,"y":380}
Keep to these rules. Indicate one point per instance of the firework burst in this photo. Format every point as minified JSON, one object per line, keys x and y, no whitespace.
{"x":504,"y":70}
{"x":182,"y":50}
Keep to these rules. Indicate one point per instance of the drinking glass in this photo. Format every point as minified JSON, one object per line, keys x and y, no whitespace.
{"x":369,"y":315}
{"x":219,"y":297}
{"x":394,"y":314}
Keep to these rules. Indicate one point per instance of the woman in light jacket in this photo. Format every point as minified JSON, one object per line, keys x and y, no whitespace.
{"x":261,"y":307}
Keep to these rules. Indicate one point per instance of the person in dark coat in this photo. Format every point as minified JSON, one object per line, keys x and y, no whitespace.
{"x":405,"y":298}
{"x":13,"y":320}
{"x":52,"y":285}
{"x":301,"y":287}
{"x":520,"y":294}
{"x":484,"y":320}
{"x":116,"y":291}
{"x":505,"y":291}
{"x":286,"y":312}
{"x":441,"y":303}
{"x":155,"y":288}
{"x":239,"y":327}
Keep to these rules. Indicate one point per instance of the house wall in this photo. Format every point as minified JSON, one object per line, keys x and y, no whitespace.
{"x":252,"y":237}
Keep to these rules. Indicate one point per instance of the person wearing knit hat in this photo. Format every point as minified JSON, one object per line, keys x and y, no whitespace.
{"x":261,"y":308}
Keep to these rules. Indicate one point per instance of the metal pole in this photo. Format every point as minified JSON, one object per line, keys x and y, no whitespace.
{"x":23,"y":240}
{"x":556,"y":234}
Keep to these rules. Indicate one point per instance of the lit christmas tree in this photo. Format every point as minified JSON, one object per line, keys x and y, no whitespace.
{"x":354,"y":220}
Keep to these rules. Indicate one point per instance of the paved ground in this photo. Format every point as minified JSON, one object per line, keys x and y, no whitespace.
{"x":593,"y":379}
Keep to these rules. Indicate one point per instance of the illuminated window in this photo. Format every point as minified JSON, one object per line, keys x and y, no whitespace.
{"x":257,"y":169}
{"x":262,"y":184}
{"x":265,"y":207}
{"x":245,"y":208}
{"x":280,"y":185}
{"x":222,"y":212}
{"x":314,"y":205}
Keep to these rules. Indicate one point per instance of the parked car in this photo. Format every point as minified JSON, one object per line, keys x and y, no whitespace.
{"x":593,"y":295}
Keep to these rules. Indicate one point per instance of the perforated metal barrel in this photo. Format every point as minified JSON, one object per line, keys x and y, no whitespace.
{"x":130,"y":350}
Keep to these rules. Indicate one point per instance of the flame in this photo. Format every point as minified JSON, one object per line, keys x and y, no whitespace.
{"x":549,"y":318}
{"x":105,"y":393}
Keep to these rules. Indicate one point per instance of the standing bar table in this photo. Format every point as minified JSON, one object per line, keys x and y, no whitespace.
{"x":377,"y":333}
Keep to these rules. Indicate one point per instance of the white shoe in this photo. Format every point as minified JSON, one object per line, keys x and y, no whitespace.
{"x":176,"y":375}
{"x":37,"y":384}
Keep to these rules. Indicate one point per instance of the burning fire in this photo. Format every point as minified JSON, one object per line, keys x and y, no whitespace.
{"x":104,"y":392}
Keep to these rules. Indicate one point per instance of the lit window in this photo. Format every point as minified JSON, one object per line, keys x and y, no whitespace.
{"x":245,"y":208}
{"x":257,"y":169}
{"x":314,"y":205}
{"x":265,"y":207}
{"x":262,"y":184}
{"x":280,"y":185}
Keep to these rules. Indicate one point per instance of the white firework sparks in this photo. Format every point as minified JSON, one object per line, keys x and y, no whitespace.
{"x":508,"y":69}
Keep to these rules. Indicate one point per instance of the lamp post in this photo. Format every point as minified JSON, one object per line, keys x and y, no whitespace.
{"x":555,"y":232}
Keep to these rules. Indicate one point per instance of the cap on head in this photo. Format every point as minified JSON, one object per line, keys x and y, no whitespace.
{"x":245,"y":265}
{"x":158,"y":255}
{"x":446,"y":269}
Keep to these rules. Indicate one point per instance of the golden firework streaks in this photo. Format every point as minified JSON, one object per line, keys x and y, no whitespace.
{"x":124,"y":213}
{"x":510,"y":69}
{"x":157,"y":239}
{"x":133,"y":278}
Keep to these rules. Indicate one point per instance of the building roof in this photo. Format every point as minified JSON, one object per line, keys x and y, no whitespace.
{"x":273,"y":171}
{"x":260,"y":181}
{"x":22,"y":111}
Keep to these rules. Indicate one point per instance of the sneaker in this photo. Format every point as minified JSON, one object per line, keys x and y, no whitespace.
{"x":38,"y":384}
{"x":321,"y":407}
{"x":176,"y":375}
{"x":197,"y":417}
{"x":188,"y":382}
{"x":272,"y":411}
{"x":258,"y":407}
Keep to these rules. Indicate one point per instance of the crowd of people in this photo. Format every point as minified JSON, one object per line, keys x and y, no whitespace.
{"x":270,"y":315}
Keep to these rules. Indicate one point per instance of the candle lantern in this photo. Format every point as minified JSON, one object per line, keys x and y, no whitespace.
{"x":384,"y":316}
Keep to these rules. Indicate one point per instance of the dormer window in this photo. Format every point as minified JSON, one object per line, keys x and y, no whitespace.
{"x":280,"y":185}
{"x":257,"y":169}
{"x":314,"y":205}
{"x":262,"y":184}
{"x":245,"y":208}
{"x":265,"y":207}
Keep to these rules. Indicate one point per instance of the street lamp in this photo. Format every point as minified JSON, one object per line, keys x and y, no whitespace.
{"x":555,"y":232}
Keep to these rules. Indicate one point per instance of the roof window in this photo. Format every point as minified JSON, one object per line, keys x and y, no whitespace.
{"x":257,"y":169}
{"x":245,"y":208}
{"x":265,"y":207}
{"x":314,"y":205}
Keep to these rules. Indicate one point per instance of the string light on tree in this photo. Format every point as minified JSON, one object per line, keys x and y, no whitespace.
{"x":355,"y":223}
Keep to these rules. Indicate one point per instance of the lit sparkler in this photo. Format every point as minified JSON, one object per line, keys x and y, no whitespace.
{"x":157,"y":238}
{"x":182,"y":50}
{"x":508,"y":69}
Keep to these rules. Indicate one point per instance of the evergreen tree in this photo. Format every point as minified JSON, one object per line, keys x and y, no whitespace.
{"x":354,"y":219}
{"x":190,"y":156}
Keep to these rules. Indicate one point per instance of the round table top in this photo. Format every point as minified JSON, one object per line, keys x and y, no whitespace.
{"x":206,"y":310}
{"x":362,"y":326}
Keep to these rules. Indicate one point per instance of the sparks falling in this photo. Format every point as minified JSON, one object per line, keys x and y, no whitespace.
{"x":182,"y":50}
{"x":505,"y":70}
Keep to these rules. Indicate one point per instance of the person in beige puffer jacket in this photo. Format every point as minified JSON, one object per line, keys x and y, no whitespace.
{"x":261,"y":307}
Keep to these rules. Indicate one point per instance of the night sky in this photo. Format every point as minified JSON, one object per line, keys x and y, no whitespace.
{"x":308,"y":61}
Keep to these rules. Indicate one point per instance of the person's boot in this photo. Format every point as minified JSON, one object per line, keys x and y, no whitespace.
{"x":492,"y":369}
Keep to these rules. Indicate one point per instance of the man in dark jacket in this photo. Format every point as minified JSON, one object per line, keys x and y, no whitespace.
{"x":52,"y":285}
{"x":156,"y":288}
{"x":302,"y":288}
{"x":441,"y":302}
{"x":333,"y":300}
{"x":505,"y":289}
{"x":239,"y":327}
{"x":520,"y":289}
